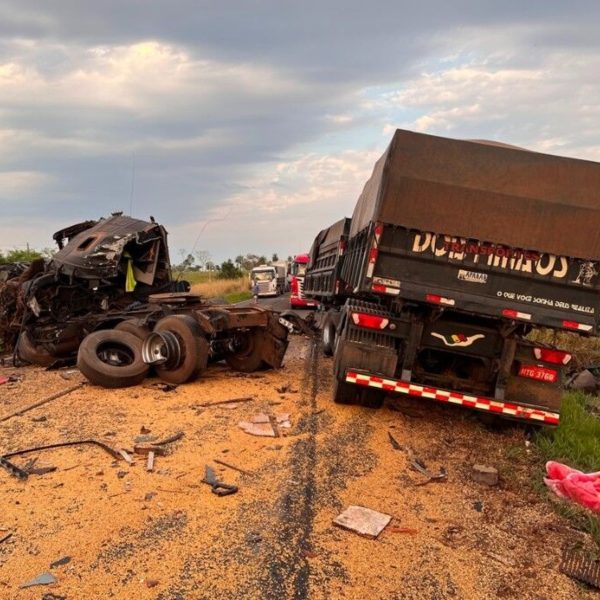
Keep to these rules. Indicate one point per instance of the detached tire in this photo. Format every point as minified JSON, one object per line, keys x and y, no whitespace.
{"x":135,"y":327}
{"x":248,"y":357}
{"x":193,"y":345}
{"x":112,"y":359}
{"x":29,"y":352}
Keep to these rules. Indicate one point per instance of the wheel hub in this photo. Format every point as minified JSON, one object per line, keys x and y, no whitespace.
{"x":162,"y":348}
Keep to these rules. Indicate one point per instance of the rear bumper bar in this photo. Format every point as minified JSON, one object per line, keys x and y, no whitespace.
{"x":489,"y":405}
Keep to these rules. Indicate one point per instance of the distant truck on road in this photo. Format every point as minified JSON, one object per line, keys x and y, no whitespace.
{"x":297,"y":272}
{"x":265,"y":277}
{"x":455,"y":252}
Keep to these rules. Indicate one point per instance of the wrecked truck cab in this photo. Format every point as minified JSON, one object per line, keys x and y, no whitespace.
{"x":118,"y":247}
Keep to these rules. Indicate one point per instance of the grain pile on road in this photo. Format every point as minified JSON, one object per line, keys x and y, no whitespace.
{"x":163,"y":535}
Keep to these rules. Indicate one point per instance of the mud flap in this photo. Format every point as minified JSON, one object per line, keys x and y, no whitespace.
{"x":273,"y":350}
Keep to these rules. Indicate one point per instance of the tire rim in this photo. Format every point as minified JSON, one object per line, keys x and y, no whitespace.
{"x":162,"y":348}
{"x":115,"y":354}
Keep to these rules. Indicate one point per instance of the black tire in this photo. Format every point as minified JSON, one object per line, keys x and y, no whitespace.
{"x":112,"y":359}
{"x":194,"y":349}
{"x":29,"y":352}
{"x":248,"y":358}
{"x":345,"y":393}
{"x":135,"y":327}
{"x":328,"y":334}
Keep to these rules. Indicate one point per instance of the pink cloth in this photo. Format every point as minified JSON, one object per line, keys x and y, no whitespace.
{"x":582,"y":488}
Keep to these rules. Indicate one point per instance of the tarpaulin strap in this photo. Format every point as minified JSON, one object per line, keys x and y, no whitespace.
{"x":130,"y":281}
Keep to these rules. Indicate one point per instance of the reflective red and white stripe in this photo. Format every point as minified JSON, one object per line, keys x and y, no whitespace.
{"x":576,"y":326}
{"x":477,"y":402}
{"x":385,"y":289}
{"x":516,"y":314}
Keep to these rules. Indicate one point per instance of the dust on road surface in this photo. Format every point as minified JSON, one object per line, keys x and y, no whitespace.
{"x":126,"y":529}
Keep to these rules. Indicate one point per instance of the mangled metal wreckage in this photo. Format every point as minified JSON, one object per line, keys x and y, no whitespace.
{"x":107,"y":298}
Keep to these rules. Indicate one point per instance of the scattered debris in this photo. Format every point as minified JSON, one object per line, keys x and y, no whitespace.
{"x":148,"y":496}
{"x":230,"y":401}
{"x":5,"y":538}
{"x":43,"y":579}
{"x":145,"y":430}
{"x":478,"y":505}
{"x":162,"y":386}
{"x":44,"y":401}
{"x":146,"y":449}
{"x":581,"y":566}
{"x":222,"y":462}
{"x":485,"y":475}
{"x":151,"y":583}
{"x":61,"y":562}
{"x":126,"y":457}
{"x":50,"y":596}
{"x":417,"y":464}
{"x":20,"y":473}
{"x":217,"y":487}
{"x":583,"y":381}
{"x":265,"y":425}
{"x":503,"y":560}
{"x":396,"y":529}
{"x":363,"y":521}
{"x":3,"y":379}
{"x":68,"y":375}
{"x":41,"y":470}
{"x":150,"y":462}
{"x":173,"y":438}
{"x":40,"y":419}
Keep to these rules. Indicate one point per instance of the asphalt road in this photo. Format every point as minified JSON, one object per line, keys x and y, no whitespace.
{"x":278,"y":304}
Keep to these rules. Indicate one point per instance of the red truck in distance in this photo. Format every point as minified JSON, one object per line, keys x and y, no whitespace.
{"x":297,"y":273}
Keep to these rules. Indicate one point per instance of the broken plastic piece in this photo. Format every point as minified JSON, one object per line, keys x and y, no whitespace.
{"x":43,"y":579}
{"x":363,"y":521}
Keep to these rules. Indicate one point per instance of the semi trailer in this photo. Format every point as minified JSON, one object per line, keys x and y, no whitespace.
{"x":455,"y":253}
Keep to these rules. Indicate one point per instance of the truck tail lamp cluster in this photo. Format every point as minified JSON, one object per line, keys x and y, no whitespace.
{"x":435,"y":299}
{"x":374,"y":251}
{"x":576,"y":326}
{"x":538,"y":373}
{"x":556,"y":357}
{"x":369,"y":321}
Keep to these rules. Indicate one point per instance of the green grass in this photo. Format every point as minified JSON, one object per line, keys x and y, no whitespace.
{"x":235,"y":297}
{"x":576,"y":443}
{"x":577,"y":440}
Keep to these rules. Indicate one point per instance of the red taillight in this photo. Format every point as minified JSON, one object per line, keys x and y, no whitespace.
{"x":370,"y":321}
{"x":435,"y":299}
{"x":538,"y":373}
{"x":341,"y":247}
{"x":378,"y":230}
{"x":557,"y":357}
{"x":373,"y":255}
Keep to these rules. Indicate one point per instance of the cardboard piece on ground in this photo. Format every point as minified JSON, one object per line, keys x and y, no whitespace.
{"x":260,"y":429}
{"x":363,"y":521}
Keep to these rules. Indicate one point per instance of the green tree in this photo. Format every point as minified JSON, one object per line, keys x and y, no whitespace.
{"x":17,"y":255}
{"x":229,"y":270}
{"x":274,"y":258}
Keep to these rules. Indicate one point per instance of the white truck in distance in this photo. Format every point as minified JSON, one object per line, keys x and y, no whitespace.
{"x":266,"y":278}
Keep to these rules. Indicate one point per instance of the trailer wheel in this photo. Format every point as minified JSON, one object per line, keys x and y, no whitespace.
{"x":193,"y":349}
{"x":247,"y":357}
{"x":112,"y":359}
{"x":328,"y":336}
{"x":135,"y":327}
{"x":29,"y":352}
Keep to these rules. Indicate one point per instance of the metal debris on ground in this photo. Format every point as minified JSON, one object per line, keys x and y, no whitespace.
{"x":217,"y":487}
{"x":172,"y":438}
{"x":44,"y":401}
{"x":143,"y":439}
{"x":581,"y":566}
{"x":229,"y":401}
{"x":265,"y":425}
{"x":229,"y":466}
{"x":50,"y":596}
{"x":145,"y":449}
{"x":417,"y":464}
{"x":6,"y":538}
{"x":20,"y":473}
{"x":162,"y":386}
{"x":61,"y":562}
{"x":43,"y":579}
{"x":363,"y":521}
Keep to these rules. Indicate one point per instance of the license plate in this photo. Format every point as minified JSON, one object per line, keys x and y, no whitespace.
{"x":538,"y":373}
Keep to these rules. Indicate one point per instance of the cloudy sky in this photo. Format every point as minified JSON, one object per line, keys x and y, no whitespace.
{"x":247,"y":126}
